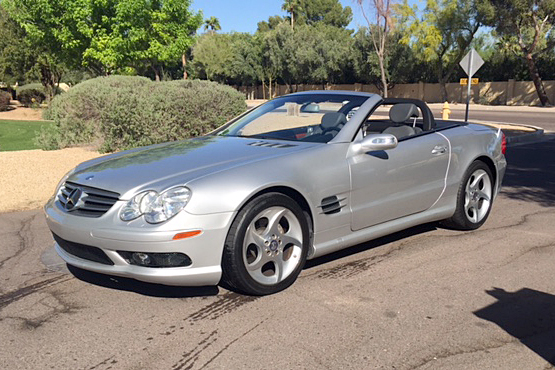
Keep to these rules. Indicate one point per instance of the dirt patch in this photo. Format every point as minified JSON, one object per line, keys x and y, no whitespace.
{"x":22,"y":114}
{"x":29,"y":177}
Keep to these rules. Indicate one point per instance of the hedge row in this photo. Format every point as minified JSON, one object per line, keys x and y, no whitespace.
{"x":121,"y":112}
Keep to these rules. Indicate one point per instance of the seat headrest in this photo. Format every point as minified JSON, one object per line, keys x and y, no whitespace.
{"x":399,"y":113}
{"x":333,"y":119}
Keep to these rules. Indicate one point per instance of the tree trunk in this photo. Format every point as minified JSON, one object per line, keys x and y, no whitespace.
{"x":47,"y":80}
{"x":441,"y":79}
{"x":535,"y":75}
{"x":156,"y":74}
{"x":263,"y":90}
{"x":270,"y":83}
{"x":184,"y":63}
{"x":383,"y":75}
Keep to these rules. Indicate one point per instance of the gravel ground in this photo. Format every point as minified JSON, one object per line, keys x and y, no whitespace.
{"x":29,"y":177}
{"x":22,"y":113}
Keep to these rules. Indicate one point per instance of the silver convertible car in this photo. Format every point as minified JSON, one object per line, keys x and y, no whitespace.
{"x":296,"y":178}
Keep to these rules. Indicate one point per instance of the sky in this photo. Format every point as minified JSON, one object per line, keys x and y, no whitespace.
{"x":243,"y":15}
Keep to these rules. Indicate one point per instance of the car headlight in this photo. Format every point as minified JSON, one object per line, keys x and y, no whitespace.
{"x":156,"y":207}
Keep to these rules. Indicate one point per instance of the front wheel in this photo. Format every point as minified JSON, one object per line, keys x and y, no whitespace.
{"x":474,"y":199}
{"x":266,"y":246}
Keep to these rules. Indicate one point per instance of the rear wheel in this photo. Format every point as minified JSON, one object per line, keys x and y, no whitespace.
{"x":474,"y":198}
{"x":266,"y":246}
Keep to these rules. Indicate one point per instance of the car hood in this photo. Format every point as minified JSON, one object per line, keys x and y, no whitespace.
{"x":164,"y":165}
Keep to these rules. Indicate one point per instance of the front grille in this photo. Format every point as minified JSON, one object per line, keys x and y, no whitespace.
{"x":85,"y":252}
{"x":93,"y":203}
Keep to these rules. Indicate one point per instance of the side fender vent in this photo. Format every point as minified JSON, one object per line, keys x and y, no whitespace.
{"x":331,"y":205}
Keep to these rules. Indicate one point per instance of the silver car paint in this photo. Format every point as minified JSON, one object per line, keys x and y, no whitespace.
{"x":224,"y":173}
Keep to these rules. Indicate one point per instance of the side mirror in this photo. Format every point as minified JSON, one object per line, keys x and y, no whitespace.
{"x":374,"y":142}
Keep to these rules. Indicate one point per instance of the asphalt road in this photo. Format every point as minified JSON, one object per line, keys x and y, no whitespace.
{"x":426,"y":298}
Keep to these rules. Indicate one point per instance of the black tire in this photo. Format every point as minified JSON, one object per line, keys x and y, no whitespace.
{"x":239,"y":254}
{"x":467,"y":217}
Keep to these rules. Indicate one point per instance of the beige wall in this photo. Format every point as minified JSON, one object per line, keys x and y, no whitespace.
{"x":496,"y":93}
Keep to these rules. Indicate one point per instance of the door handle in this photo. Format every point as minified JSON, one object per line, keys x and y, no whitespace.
{"x":439,"y":149}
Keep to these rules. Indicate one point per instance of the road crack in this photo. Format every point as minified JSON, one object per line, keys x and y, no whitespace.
{"x":25,"y":237}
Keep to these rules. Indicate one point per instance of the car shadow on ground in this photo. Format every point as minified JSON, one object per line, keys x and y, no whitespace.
{"x":147,"y":289}
{"x":528,"y":315}
{"x":531,"y":172}
{"x":416,"y":230}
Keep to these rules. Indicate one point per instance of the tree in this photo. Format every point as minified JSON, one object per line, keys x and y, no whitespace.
{"x":329,"y":12}
{"x":47,"y":36}
{"x":106,"y":36}
{"x":16,"y":57}
{"x":379,"y":31}
{"x":442,"y":34}
{"x":405,"y":68}
{"x":212,"y":25}
{"x":142,"y":34}
{"x":212,"y":56}
{"x":270,"y":24}
{"x":528,"y":26}
{"x":292,"y":7}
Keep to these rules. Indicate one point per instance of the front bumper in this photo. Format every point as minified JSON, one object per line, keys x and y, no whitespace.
{"x":110,"y":234}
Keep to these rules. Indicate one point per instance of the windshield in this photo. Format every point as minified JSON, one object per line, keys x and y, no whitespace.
{"x":305,"y":117}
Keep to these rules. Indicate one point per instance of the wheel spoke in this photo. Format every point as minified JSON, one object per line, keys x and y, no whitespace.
{"x":260,"y":261}
{"x":273,"y":221}
{"x":287,"y":239}
{"x":484,"y":196}
{"x":477,"y":178}
{"x":474,"y":216}
{"x":254,"y":238}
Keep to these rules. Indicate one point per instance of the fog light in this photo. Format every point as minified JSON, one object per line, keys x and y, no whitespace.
{"x":141,"y":259}
{"x":156,"y":259}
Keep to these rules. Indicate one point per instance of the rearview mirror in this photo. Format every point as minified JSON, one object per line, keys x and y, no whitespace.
{"x":310,"y":108}
{"x":375,"y":142}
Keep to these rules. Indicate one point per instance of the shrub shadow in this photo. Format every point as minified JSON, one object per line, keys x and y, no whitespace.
{"x":528,"y":315}
{"x":530,"y":173}
{"x":139,"y":287}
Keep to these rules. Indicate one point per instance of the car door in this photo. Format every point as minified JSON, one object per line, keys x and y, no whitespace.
{"x":386,"y":185}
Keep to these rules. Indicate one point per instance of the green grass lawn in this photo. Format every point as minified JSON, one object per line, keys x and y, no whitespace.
{"x":19,"y":135}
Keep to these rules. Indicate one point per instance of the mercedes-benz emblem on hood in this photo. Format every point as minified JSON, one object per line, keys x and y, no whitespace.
{"x":73,"y":199}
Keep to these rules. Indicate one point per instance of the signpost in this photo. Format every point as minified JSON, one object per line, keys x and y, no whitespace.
{"x":470,"y":64}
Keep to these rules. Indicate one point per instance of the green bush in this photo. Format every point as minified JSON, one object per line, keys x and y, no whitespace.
{"x":31,"y":95}
{"x":5,"y":98}
{"x":122,"y":112}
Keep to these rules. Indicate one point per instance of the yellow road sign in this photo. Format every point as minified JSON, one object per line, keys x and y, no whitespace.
{"x":474,"y":81}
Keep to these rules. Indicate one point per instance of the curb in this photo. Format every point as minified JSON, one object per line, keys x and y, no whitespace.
{"x":524,"y":138}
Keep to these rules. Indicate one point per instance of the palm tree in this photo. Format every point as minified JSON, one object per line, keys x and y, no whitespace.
{"x":212,"y":24}
{"x":292,"y":7}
